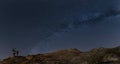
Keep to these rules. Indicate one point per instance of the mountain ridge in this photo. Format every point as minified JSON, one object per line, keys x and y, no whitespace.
{"x":69,"y":56}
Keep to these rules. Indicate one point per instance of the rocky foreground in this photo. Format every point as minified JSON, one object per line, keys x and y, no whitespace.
{"x":69,"y":56}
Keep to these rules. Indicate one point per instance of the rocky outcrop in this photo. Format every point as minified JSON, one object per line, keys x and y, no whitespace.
{"x":69,"y":56}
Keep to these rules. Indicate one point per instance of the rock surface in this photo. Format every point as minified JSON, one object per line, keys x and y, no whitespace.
{"x":69,"y":56}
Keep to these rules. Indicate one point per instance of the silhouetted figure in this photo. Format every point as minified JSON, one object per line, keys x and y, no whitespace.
{"x":14,"y":52}
{"x":17,"y":52}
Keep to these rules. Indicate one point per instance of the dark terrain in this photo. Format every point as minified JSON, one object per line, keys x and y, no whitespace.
{"x":69,"y":56}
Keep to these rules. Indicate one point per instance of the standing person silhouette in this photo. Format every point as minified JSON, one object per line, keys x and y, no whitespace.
{"x":17,"y":52}
{"x":14,"y":52}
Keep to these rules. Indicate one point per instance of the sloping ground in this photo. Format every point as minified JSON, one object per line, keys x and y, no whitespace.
{"x":70,"y":56}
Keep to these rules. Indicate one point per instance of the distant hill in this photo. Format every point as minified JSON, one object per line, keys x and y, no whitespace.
{"x":69,"y":56}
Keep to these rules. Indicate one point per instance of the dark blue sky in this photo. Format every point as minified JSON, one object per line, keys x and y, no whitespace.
{"x":40,"y":26}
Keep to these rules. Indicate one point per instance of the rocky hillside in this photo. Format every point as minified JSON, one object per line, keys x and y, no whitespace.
{"x":69,"y":56}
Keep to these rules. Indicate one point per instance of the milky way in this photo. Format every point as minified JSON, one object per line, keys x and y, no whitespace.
{"x":92,"y":19}
{"x":40,"y":26}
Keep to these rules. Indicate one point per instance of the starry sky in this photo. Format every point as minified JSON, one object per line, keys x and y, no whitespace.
{"x":42,"y":26}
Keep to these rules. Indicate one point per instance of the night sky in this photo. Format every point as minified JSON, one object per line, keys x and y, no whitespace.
{"x":42,"y":26}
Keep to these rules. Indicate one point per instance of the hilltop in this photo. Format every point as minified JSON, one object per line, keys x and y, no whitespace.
{"x":69,"y":56}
